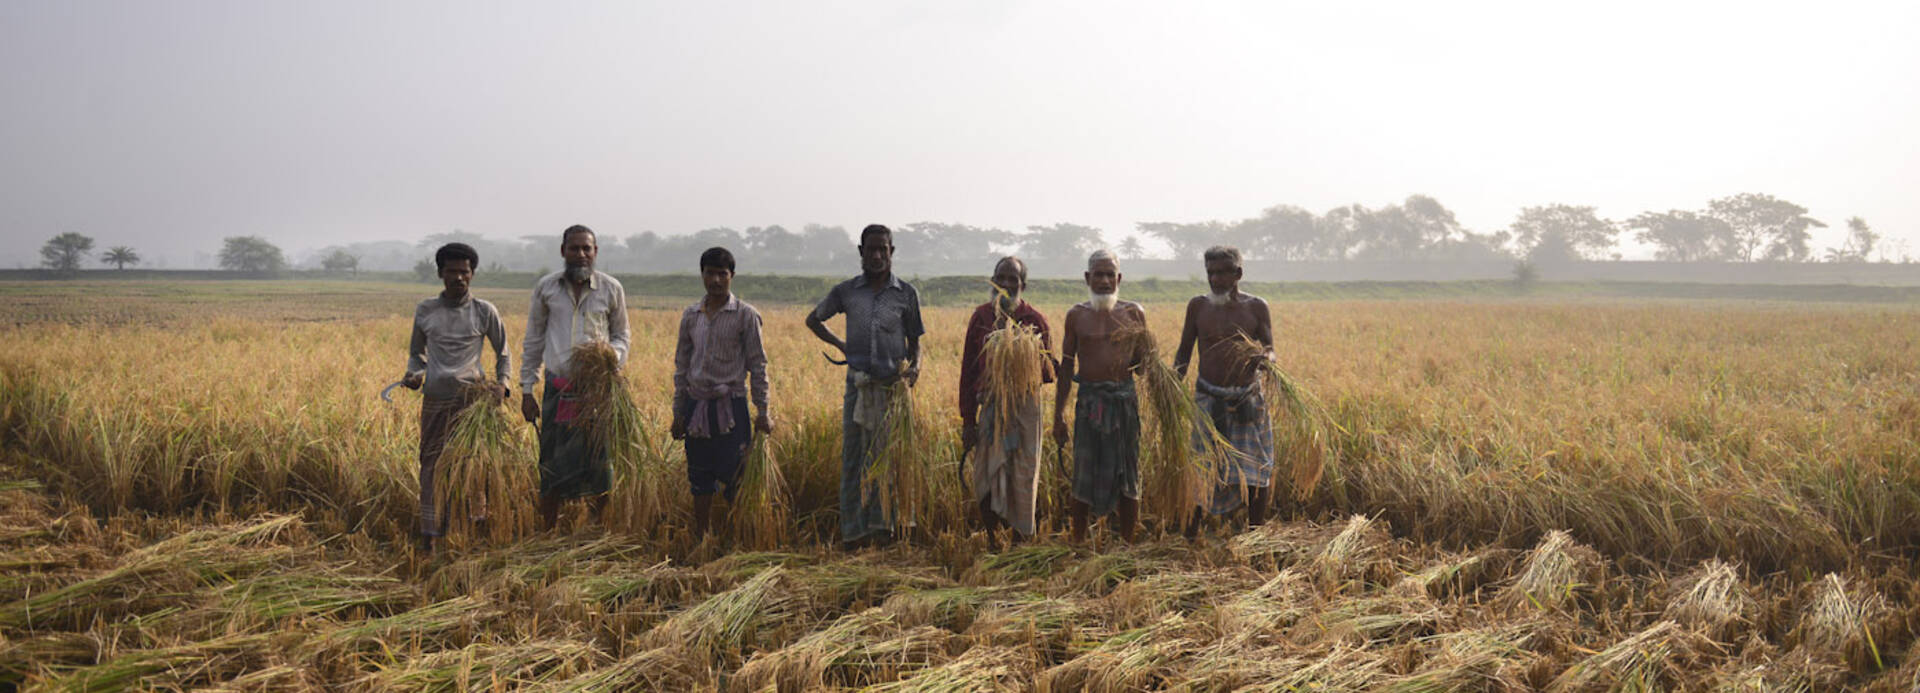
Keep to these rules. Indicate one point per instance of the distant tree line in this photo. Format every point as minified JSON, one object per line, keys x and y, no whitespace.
{"x":1747,"y":227}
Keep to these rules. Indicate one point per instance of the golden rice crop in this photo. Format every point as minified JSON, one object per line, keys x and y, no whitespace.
{"x":760,"y":509}
{"x":643,"y":493}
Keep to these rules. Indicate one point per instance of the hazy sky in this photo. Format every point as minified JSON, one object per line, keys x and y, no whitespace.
{"x":168,"y":125}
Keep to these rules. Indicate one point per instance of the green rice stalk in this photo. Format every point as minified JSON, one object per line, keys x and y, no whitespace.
{"x":980,"y":668}
{"x":761,"y":507}
{"x":437,"y":622}
{"x":176,"y":667}
{"x":951,"y":608}
{"x":269,"y":599}
{"x":1025,"y":562}
{"x":486,"y":477}
{"x":666,"y":668}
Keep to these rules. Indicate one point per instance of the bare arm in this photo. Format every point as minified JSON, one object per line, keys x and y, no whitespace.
{"x":820,"y":330}
{"x":1063,"y":378}
{"x":1189,"y":334}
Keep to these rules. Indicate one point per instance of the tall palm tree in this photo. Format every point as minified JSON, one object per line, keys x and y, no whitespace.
{"x":120,"y":256}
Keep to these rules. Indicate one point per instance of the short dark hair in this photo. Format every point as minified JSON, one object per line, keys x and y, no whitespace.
{"x":578,"y":228}
{"x":456,"y":251}
{"x":717,"y":257}
{"x":876,"y":229}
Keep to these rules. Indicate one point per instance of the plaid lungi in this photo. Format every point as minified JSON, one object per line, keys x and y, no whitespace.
{"x":1106,"y":445}
{"x":1240,"y":414}
{"x":571,"y":465}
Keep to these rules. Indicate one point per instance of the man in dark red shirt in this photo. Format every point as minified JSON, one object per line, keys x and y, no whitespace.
{"x":1001,"y":431}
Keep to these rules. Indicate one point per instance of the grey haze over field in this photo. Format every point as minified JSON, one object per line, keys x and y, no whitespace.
{"x":167,"y":126}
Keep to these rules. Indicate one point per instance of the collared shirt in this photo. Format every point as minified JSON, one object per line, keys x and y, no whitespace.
{"x":717,"y":352}
{"x":878,"y":323}
{"x":972,"y":351}
{"x":446,"y":344}
{"x":557,"y":321}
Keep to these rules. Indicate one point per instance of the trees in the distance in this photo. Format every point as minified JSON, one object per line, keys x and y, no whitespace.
{"x":1765,"y":223}
{"x":251,"y":254}
{"x":1859,"y":244}
{"x":63,"y":253}
{"x":1678,"y":235}
{"x":120,"y":256}
{"x":1559,"y":233}
{"x":340,"y":261}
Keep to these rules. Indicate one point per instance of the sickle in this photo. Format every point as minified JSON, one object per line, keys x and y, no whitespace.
{"x":387,"y":394}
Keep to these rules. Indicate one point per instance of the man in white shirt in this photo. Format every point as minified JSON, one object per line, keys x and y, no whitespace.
{"x":570,"y":307}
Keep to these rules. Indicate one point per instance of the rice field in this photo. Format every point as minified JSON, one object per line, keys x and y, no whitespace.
{"x":1511,"y":495}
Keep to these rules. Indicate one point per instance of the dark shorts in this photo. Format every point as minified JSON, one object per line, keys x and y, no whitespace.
{"x":716,"y":462}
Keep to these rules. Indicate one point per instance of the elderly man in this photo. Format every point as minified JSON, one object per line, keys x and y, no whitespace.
{"x":1228,"y":388}
{"x":1006,"y":460}
{"x":571,"y":307}
{"x":882,"y":348}
{"x":443,"y":363}
{"x":1106,"y":418}
{"x":719,"y":352}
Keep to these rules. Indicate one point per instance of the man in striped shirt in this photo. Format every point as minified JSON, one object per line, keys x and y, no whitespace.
{"x":570,"y":307}
{"x":719,"y":349}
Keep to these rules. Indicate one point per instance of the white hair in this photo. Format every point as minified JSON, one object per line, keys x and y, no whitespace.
{"x":1102,"y":254}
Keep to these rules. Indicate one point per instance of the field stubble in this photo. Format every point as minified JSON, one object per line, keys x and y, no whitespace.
{"x":1570,"y":496}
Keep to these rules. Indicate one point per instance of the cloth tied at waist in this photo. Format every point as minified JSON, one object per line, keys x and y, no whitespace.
{"x":718,"y":401}
{"x":1105,"y":396}
{"x":870,"y":399}
{"x":568,"y":407}
{"x":1237,"y":404}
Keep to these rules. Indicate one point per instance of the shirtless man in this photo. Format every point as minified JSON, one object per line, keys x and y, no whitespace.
{"x":1106,"y":418}
{"x":1228,"y":389}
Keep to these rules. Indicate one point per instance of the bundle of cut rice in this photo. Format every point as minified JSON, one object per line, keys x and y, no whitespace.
{"x":1303,"y":430}
{"x":643,"y":494}
{"x":760,"y":508}
{"x":486,"y":477}
{"x":1175,"y":478}
{"x":899,"y":468}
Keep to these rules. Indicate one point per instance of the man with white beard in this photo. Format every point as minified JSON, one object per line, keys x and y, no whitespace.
{"x":1106,"y":417}
{"x":1228,"y":388}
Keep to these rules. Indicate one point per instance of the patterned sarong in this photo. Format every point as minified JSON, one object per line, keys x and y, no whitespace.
{"x":436,"y":426}
{"x":1106,"y":445}
{"x":571,"y":465}
{"x":1240,"y":414}
{"x":1006,"y":463}
{"x":862,"y":434}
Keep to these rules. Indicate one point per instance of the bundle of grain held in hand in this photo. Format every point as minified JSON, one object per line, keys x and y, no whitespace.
{"x":1302,"y":429}
{"x":643,"y":493}
{"x":486,"y":471}
{"x":1174,"y":477}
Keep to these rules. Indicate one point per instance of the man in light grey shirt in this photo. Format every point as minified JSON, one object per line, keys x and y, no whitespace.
{"x":570,"y":307}
{"x":443,"y":362}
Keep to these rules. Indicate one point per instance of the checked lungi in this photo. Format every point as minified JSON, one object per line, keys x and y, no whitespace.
{"x":1106,"y":445}
{"x":1240,"y":414}
{"x":571,"y":464}
{"x":436,"y":426}
{"x":1006,"y":463}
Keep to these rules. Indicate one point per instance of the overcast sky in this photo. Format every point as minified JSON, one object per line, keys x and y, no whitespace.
{"x":168,"y":125}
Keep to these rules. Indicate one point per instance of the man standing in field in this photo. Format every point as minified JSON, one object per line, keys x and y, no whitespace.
{"x":570,"y":307}
{"x":1228,"y":388}
{"x":443,"y":363}
{"x":882,"y":347}
{"x":1005,"y":470}
{"x":1106,"y":418}
{"x":719,"y":349}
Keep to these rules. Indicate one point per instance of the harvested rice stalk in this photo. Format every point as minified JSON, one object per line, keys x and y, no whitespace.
{"x":198,"y":557}
{"x":1839,"y":620}
{"x":1023,"y":563}
{"x":1349,"y":553}
{"x":1303,"y":431}
{"x":1370,"y":620}
{"x":1138,"y":659}
{"x":486,"y":665}
{"x":1278,"y":670}
{"x":1711,"y":598}
{"x":643,"y":494}
{"x":759,"y":510}
{"x":1255,"y":617}
{"x":1650,"y":660}
{"x":1277,"y":545}
{"x":803,"y":664}
{"x":1176,"y":477}
{"x":1492,"y":658}
{"x":440,"y":622}
{"x":951,"y":608}
{"x":178,"y":667}
{"x":1013,"y":359}
{"x":726,"y":624}
{"x":268,"y":599}
{"x":1556,"y":571}
{"x":981,"y":668}
{"x":668,"y":668}
{"x":486,"y":478}
{"x":899,"y":469}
